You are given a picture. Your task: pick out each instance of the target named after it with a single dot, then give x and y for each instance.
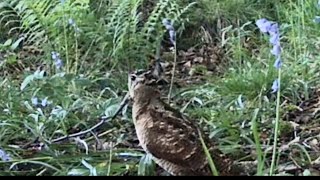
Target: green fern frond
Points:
(25, 19)
(37, 20)
(122, 26)
(153, 30)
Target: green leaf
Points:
(146, 166)
(8, 42)
(78, 172)
(12, 59)
(111, 110)
(69, 77)
(36, 75)
(93, 171)
(306, 172)
(16, 44)
(26, 82)
(39, 74)
(83, 82)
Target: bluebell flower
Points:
(278, 63)
(34, 101)
(54, 55)
(316, 19)
(71, 22)
(274, 39)
(263, 24)
(169, 26)
(274, 28)
(4, 156)
(44, 102)
(58, 62)
(276, 50)
(267, 26)
(172, 37)
(275, 86)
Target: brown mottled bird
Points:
(168, 135)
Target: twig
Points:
(101, 134)
(25, 146)
(122, 104)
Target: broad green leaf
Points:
(111, 110)
(93, 171)
(26, 82)
(146, 166)
(78, 172)
(8, 42)
(16, 44)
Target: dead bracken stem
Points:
(173, 70)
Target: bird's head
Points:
(140, 82)
(144, 82)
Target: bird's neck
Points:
(144, 95)
(144, 98)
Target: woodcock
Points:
(169, 136)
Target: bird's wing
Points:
(175, 140)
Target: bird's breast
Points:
(143, 123)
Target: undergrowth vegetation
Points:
(64, 66)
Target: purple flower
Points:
(54, 55)
(71, 22)
(168, 24)
(277, 64)
(276, 50)
(316, 19)
(275, 39)
(34, 101)
(4, 156)
(172, 37)
(275, 86)
(263, 24)
(274, 28)
(58, 62)
(44, 102)
(266, 26)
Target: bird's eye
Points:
(133, 77)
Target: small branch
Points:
(122, 104)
